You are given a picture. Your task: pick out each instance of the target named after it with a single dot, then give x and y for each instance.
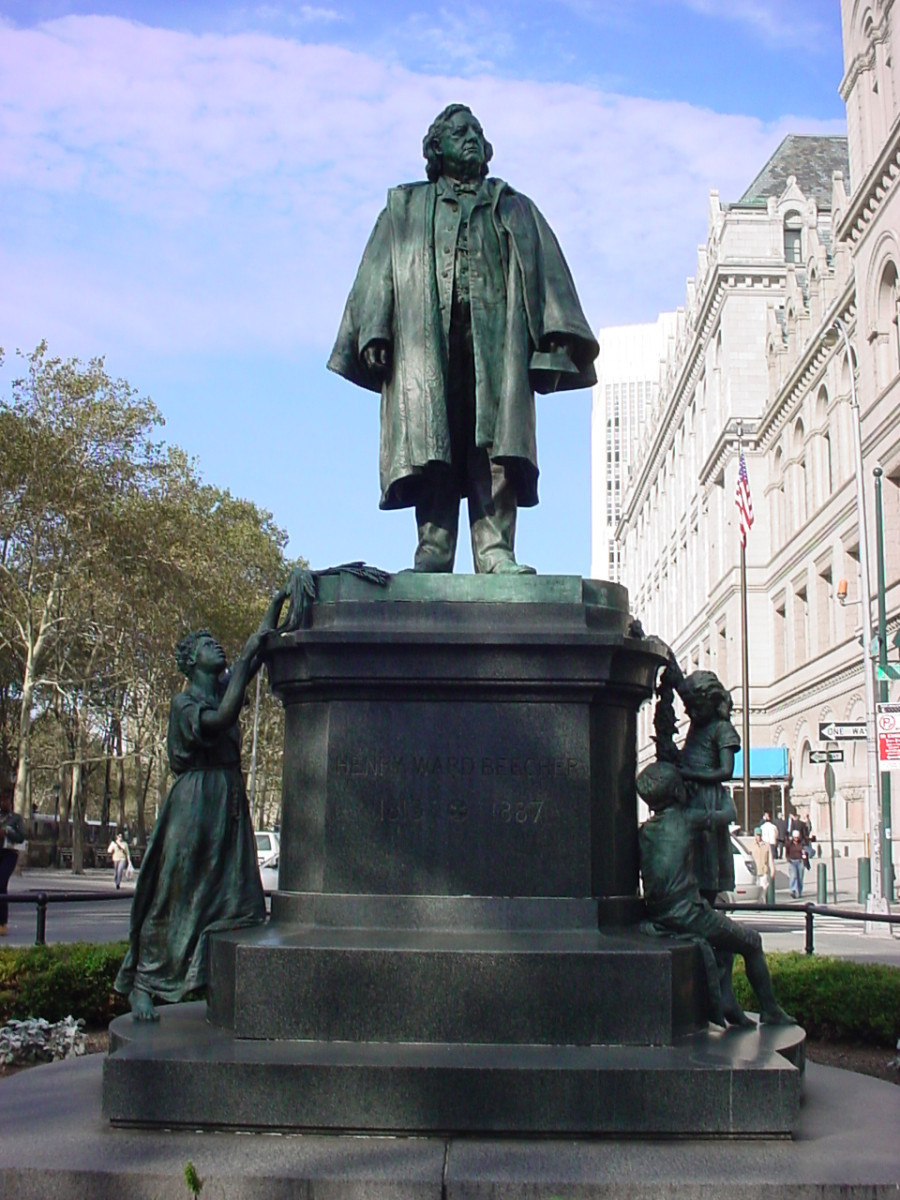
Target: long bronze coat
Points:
(521, 294)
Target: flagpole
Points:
(745, 662)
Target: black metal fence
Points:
(811, 911)
(42, 901)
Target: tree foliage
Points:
(111, 548)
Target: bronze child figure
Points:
(200, 872)
(672, 895)
(462, 308)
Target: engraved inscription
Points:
(376, 765)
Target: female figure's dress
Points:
(199, 873)
(713, 859)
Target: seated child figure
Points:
(671, 892)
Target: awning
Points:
(766, 763)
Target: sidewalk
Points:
(58, 879)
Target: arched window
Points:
(793, 238)
(887, 299)
(779, 524)
(822, 425)
(802, 488)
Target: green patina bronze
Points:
(462, 308)
(673, 899)
(199, 874)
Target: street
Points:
(107, 920)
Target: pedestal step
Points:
(540, 987)
(182, 1072)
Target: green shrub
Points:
(58, 981)
(833, 999)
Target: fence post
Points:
(40, 932)
(809, 928)
(864, 880)
(821, 883)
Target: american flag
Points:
(743, 501)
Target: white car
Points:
(746, 887)
(268, 843)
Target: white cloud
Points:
(178, 191)
(299, 15)
(788, 22)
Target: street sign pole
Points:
(830, 788)
(876, 902)
(885, 687)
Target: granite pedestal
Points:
(454, 945)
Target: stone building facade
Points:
(755, 360)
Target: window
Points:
(888, 352)
(793, 242)
(801, 626)
(780, 632)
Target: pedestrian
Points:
(796, 824)
(797, 857)
(781, 826)
(764, 859)
(769, 831)
(121, 856)
(8, 860)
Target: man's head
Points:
(766, 817)
(796, 835)
(455, 145)
(757, 833)
(660, 786)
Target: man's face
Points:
(462, 147)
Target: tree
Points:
(111, 548)
(73, 444)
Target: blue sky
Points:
(187, 189)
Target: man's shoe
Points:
(509, 566)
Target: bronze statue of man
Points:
(462, 308)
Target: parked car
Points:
(268, 843)
(268, 874)
(746, 887)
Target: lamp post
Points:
(876, 901)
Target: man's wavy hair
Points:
(186, 650)
(431, 144)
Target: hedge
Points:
(58, 981)
(834, 999)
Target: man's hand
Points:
(559, 342)
(377, 357)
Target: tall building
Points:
(753, 364)
(757, 362)
(625, 394)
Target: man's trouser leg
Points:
(492, 516)
(437, 520)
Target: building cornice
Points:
(865, 60)
(868, 198)
(810, 364)
(724, 277)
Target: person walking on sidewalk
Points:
(121, 856)
(797, 857)
(8, 860)
(765, 862)
(769, 831)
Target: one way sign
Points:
(841, 731)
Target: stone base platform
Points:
(56, 1143)
(184, 1072)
